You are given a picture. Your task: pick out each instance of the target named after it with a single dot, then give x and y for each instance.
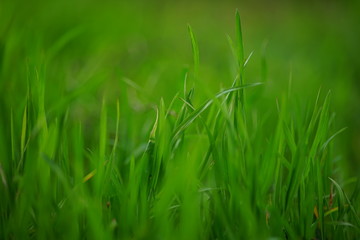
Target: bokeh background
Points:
(137, 51)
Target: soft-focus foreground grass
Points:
(105, 134)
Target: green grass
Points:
(87, 153)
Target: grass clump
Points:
(231, 167)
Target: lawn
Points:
(179, 120)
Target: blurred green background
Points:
(94, 49)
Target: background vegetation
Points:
(119, 120)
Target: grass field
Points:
(179, 120)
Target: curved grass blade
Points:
(341, 202)
(195, 114)
(195, 49)
(332, 137)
